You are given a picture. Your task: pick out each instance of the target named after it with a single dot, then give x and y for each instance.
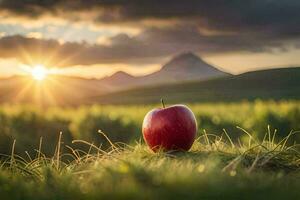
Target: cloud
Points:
(166, 28)
(149, 46)
(235, 15)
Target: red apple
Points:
(171, 128)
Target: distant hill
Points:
(119, 81)
(183, 67)
(266, 84)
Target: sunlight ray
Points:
(23, 93)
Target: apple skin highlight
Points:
(170, 129)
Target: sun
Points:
(39, 72)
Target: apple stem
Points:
(162, 102)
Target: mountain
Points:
(184, 67)
(275, 84)
(118, 80)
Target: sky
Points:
(93, 38)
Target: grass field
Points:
(258, 161)
(215, 168)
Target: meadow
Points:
(244, 150)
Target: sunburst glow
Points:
(41, 85)
(39, 72)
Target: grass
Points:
(217, 167)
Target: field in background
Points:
(27, 124)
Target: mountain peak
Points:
(121, 74)
(187, 56)
(186, 61)
(118, 78)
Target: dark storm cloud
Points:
(203, 26)
(235, 15)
